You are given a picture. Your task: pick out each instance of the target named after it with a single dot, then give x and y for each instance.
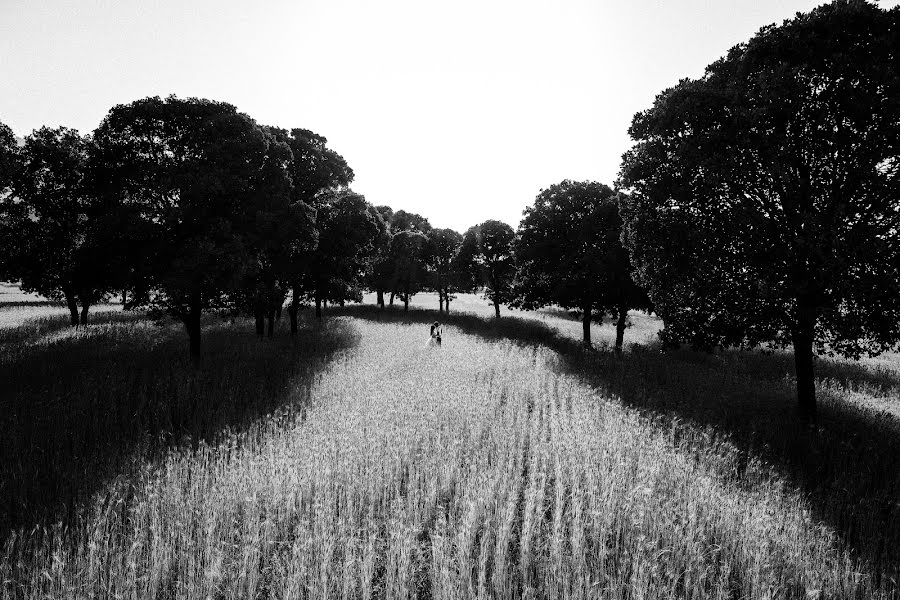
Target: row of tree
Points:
(185, 206)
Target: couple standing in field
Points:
(435, 337)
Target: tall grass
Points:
(488, 467)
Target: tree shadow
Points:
(78, 408)
(847, 466)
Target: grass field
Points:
(354, 462)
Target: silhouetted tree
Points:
(764, 195)
(190, 167)
(50, 211)
(568, 253)
(440, 252)
(347, 229)
(407, 260)
(315, 171)
(11, 211)
(486, 256)
(379, 272)
(280, 229)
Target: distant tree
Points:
(568, 253)
(315, 170)
(347, 231)
(50, 211)
(407, 260)
(406, 270)
(189, 167)
(486, 256)
(379, 273)
(440, 252)
(10, 208)
(280, 228)
(764, 195)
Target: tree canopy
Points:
(440, 254)
(49, 221)
(764, 195)
(568, 253)
(192, 169)
(486, 256)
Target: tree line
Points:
(185, 206)
(759, 205)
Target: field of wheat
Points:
(355, 462)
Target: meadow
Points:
(354, 462)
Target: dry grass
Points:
(500, 465)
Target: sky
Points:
(460, 111)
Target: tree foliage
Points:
(49, 216)
(486, 258)
(764, 205)
(191, 170)
(568, 253)
(440, 264)
(347, 231)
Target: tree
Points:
(278, 230)
(50, 211)
(189, 168)
(379, 273)
(406, 258)
(764, 195)
(568, 253)
(347, 230)
(440, 252)
(486, 256)
(10, 207)
(315, 171)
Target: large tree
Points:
(316, 170)
(486, 255)
(764, 204)
(49, 216)
(440, 253)
(189, 169)
(569, 253)
(407, 253)
(347, 231)
(279, 228)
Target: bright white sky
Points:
(461, 111)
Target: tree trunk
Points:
(279, 309)
(124, 297)
(292, 311)
(440, 301)
(495, 295)
(380, 298)
(318, 306)
(406, 302)
(392, 299)
(447, 300)
(192, 324)
(271, 319)
(803, 334)
(620, 328)
(73, 306)
(586, 325)
(84, 313)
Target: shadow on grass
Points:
(79, 408)
(847, 466)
